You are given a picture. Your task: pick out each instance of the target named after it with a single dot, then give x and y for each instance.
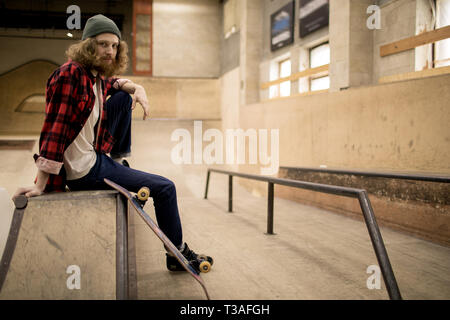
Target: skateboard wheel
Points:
(143, 193)
(205, 266)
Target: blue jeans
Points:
(162, 190)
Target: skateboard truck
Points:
(142, 195)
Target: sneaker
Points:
(193, 258)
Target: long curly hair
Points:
(85, 53)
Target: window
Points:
(322, 83)
(285, 71)
(273, 90)
(442, 48)
(319, 56)
(280, 69)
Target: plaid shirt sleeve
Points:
(62, 95)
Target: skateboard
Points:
(138, 202)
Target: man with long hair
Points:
(81, 128)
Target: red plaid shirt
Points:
(69, 102)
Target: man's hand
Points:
(141, 97)
(28, 192)
(138, 94)
(36, 189)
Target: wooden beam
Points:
(416, 41)
(415, 75)
(303, 94)
(295, 76)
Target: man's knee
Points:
(169, 185)
(168, 188)
(121, 98)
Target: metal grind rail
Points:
(360, 194)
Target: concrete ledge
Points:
(61, 238)
(419, 208)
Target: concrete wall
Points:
(230, 46)
(339, 45)
(168, 98)
(355, 49)
(424, 23)
(370, 127)
(250, 50)
(18, 51)
(398, 21)
(229, 102)
(186, 46)
(180, 98)
(185, 35)
(361, 44)
(399, 126)
(376, 127)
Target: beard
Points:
(104, 68)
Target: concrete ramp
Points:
(67, 246)
(21, 91)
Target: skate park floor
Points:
(314, 254)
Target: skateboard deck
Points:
(166, 241)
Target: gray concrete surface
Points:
(65, 248)
(315, 254)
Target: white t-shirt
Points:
(80, 156)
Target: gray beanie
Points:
(99, 24)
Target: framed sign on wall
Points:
(282, 27)
(313, 15)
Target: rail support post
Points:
(270, 196)
(207, 184)
(379, 248)
(230, 193)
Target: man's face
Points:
(107, 44)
